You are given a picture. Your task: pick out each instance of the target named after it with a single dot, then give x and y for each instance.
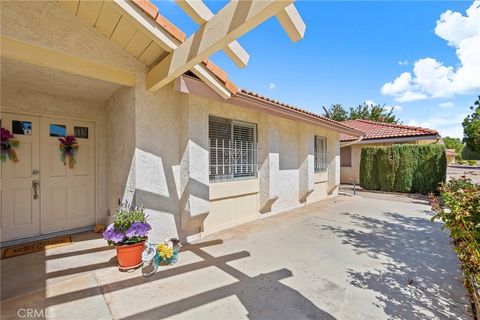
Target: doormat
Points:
(20, 250)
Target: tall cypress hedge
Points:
(403, 168)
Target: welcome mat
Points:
(36, 246)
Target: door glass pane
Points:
(58, 130)
(22, 127)
(80, 132)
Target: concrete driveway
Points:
(345, 258)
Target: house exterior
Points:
(195, 151)
(377, 134)
(451, 156)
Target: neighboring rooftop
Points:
(380, 130)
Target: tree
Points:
(454, 143)
(336, 112)
(471, 128)
(368, 112)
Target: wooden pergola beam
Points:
(292, 22)
(200, 13)
(167, 42)
(234, 20)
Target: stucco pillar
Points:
(268, 157)
(156, 160)
(306, 162)
(194, 167)
(333, 154)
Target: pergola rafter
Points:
(217, 33)
(200, 13)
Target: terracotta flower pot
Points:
(130, 255)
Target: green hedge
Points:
(403, 168)
(467, 154)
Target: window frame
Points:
(232, 175)
(320, 157)
(350, 156)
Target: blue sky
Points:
(351, 50)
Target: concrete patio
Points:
(345, 258)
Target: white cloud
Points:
(446, 105)
(447, 125)
(272, 86)
(369, 102)
(403, 62)
(429, 77)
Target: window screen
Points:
(233, 150)
(320, 154)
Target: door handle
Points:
(36, 187)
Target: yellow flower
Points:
(164, 251)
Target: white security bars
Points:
(233, 149)
(320, 154)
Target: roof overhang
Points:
(397, 139)
(190, 85)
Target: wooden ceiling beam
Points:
(234, 20)
(200, 13)
(29, 53)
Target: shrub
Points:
(403, 168)
(462, 162)
(461, 215)
(468, 154)
(472, 162)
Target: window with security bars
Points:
(320, 154)
(233, 149)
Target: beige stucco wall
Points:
(120, 119)
(450, 159)
(152, 148)
(347, 174)
(285, 158)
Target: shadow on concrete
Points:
(415, 279)
(263, 296)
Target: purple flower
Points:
(5, 135)
(139, 229)
(67, 141)
(112, 235)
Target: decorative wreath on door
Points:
(9, 143)
(68, 148)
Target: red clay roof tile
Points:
(171, 28)
(254, 94)
(380, 130)
(147, 7)
(216, 70)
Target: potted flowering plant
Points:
(128, 233)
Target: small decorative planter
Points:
(128, 233)
(129, 256)
(167, 252)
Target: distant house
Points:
(377, 134)
(451, 155)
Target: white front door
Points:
(40, 194)
(20, 207)
(67, 194)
